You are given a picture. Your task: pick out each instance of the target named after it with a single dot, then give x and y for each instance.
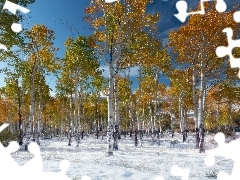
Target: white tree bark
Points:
(70, 128)
(75, 107)
(181, 121)
(195, 98)
(117, 106)
(115, 54)
(156, 100)
(110, 111)
(40, 115)
(202, 97)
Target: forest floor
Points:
(129, 162)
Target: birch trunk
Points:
(202, 102)
(61, 125)
(151, 120)
(110, 112)
(40, 116)
(70, 130)
(32, 99)
(20, 127)
(137, 110)
(131, 115)
(115, 54)
(202, 96)
(180, 113)
(230, 113)
(75, 107)
(218, 124)
(195, 98)
(75, 128)
(78, 125)
(116, 104)
(32, 103)
(155, 104)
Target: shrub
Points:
(6, 137)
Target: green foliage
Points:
(7, 36)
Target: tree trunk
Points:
(70, 128)
(152, 122)
(62, 117)
(181, 113)
(218, 124)
(202, 100)
(40, 117)
(116, 128)
(110, 112)
(32, 104)
(230, 113)
(155, 105)
(137, 128)
(195, 98)
(20, 128)
(75, 113)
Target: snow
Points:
(129, 162)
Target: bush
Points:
(6, 137)
(228, 133)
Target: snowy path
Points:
(129, 162)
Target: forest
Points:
(204, 90)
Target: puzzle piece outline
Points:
(222, 51)
(227, 150)
(182, 6)
(31, 169)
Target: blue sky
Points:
(60, 16)
(57, 15)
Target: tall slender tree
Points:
(207, 68)
(120, 28)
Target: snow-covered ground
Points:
(128, 162)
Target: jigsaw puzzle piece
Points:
(236, 16)
(8, 162)
(85, 178)
(221, 6)
(177, 171)
(223, 176)
(35, 164)
(12, 7)
(226, 150)
(182, 11)
(222, 51)
(181, 6)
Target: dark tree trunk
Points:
(185, 135)
(131, 131)
(38, 138)
(136, 139)
(158, 136)
(97, 133)
(201, 136)
(78, 137)
(28, 136)
(115, 138)
(69, 137)
(82, 134)
(197, 138)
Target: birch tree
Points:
(117, 26)
(39, 51)
(203, 31)
(79, 67)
